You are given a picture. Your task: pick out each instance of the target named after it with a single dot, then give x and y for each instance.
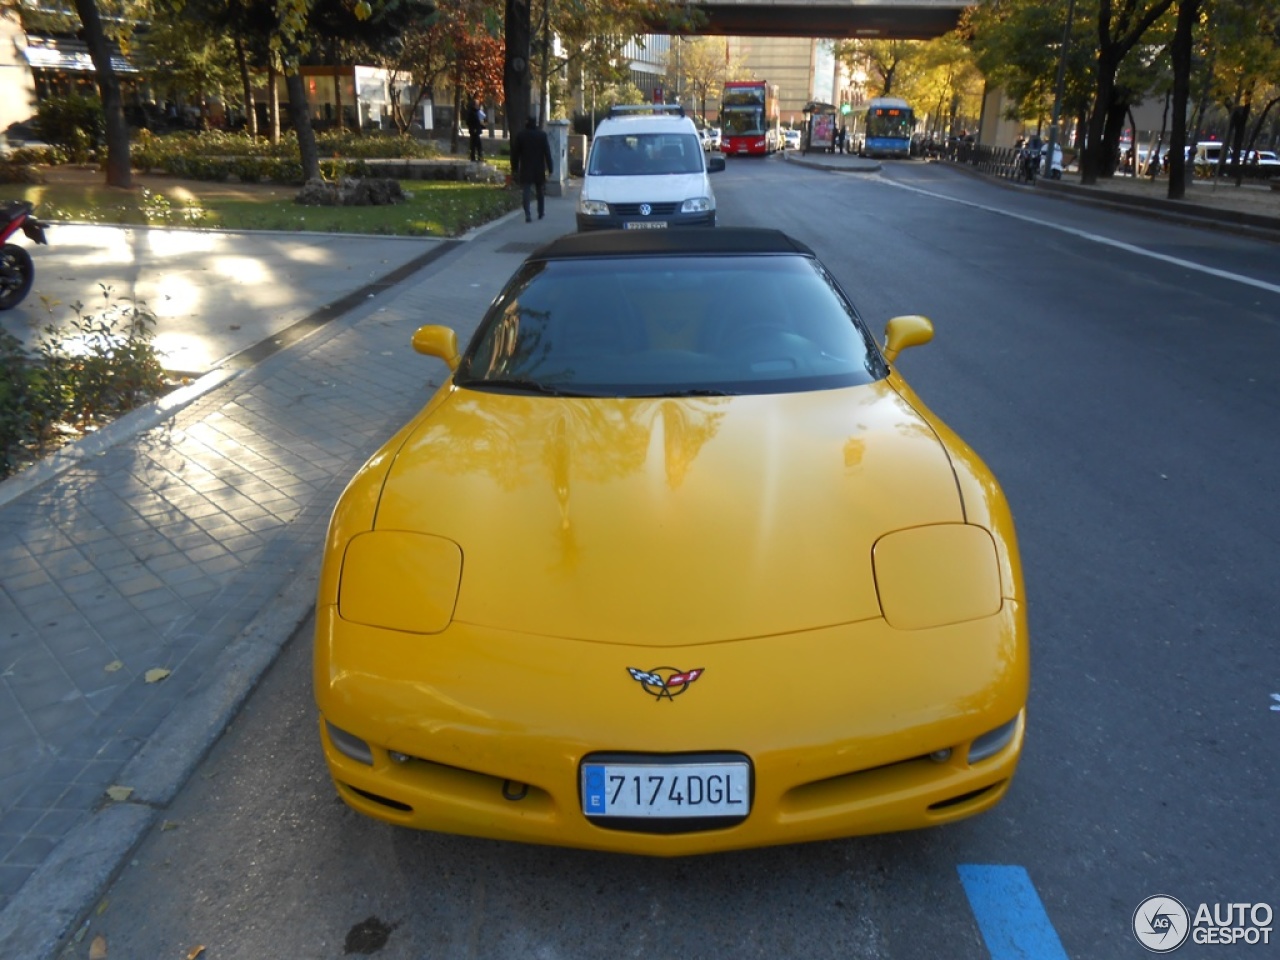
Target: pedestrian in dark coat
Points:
(530, 164)
(475, 127)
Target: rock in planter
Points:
(351, 192)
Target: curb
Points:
(854, 165)
(132, 423)
(64, 889)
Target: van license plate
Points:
(644, 225)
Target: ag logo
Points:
(1161, 924)
(665, 683)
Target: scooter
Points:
(17, 272)
(1054, 171)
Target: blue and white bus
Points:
(890, 122)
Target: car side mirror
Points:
(436, 341)
(907, 331)
(715, 164)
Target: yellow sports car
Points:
(674, 562)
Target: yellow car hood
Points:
(668, 521)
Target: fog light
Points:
(941, 756)
(349, 744)
(993, 741)
(397, 756)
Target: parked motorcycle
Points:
(17, 272)
(1029, 162)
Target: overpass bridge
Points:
(829, 19)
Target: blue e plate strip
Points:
(1010, 914)
(593, 790)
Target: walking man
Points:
(530, 164)
(475, 127)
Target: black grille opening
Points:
(633, 209)
(962, 798)
(384, 801)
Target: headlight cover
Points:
(697, 205)
(593, 208)
(935, 575)
(400, 581)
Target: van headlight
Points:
(697, 205)
(592, 208)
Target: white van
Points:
(647, 170)
(1208, 153)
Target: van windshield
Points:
(643, 154)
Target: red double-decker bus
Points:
(749, 119)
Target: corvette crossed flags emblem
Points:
(665, 683)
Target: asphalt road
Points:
(1119, 376)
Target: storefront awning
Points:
(68, 55)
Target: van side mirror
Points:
(715, 164)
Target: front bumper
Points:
(479, 733)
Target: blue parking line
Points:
(1009, 913)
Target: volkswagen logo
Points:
(645, 209)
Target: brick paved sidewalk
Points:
(158, 553)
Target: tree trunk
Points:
(337, 86)
(119, 169)
(517, 86)
(1111, 51)
(300, 114)
(1180, 54)
(1095, 158)
(250, 110)
(1240, 122)
(457, 107)
(273, 102)
(1257, 124)
(544, 81)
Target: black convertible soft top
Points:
(677, 241)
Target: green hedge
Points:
(73, 123)
(82, 374)
(220, 156)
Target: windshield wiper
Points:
(690, 392)
(518, 383)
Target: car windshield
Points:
(664, 326)
(643, 154)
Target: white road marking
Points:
(1095, 238)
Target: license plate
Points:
(644, 225)
(666, 790)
